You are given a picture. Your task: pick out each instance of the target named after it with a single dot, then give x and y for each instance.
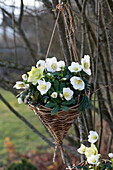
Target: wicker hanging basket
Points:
(58, 124)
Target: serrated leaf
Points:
(62, 85)
(85, 104)
(64, 108)
(55, 110)
(50, 104)
(56, 74)
(56, 85)
(36, 105)
(72, 101)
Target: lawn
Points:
(10, 126)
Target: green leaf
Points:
(62, 85)
(56, 85)
(31, 102)
(36, 105)
(84, 104)
(70, 102)
(56, 74)
(50, 104)
(64, 108)
(55, 110)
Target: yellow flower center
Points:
(78, 82)
(66, 94)
(54, 66)
(75, 68)
(94, 137)
(42, 87)
(94, 160)
(21, 85)
(86, 65)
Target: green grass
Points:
(11, 126)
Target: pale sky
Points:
(29, 3)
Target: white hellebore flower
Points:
(93, 137)
(75, 67)
(82, 149)
(54, 95)
(78, 83)
(61, 65)
(110, 155)
(51, 64)
(24, 77)
(43, 86)
(93, 159)
(86, 64)
(19, 100)
(68, 93)
(40, 63)
(20, 85)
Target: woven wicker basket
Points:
(58, 124)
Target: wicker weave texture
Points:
(58, 124)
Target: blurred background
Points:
(25, 31)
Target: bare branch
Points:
(21, 12)
(23, 36)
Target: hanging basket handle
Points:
(58, 7)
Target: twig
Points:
(97, 56)
(83, 28)
(8, 64)
(21, 12)
(22, 35)
(110, 143)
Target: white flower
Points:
(20, 85)
(54, 95)
(78, 83)
(93, 137)
(86, 64)
(75, 67)
(91, 151)
(68, 93)
(93, 159)
(19, 100)
(51, 64)
(61, 65)
(43, 86)
(40, 63)
(82, 149)
(24, 77)
(110, 155)
(61, 95)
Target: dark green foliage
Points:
(70, 102)
(22, 165)
(55, 110)
(83, 168)
(50, 104)
(56, 85)
(58, 80)
(84, 104)
(64, 108)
